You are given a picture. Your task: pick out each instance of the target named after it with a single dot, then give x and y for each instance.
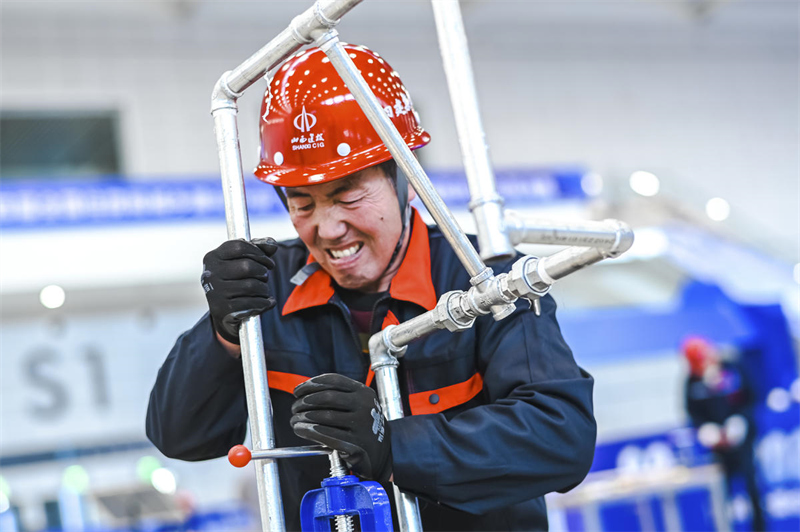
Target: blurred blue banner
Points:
(43, 204)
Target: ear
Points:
(411, 193)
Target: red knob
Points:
(239, 456)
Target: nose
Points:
(330, 224)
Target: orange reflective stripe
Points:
(285, 382)
(370, 376)
(449, 396)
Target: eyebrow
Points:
(343, 188)
(292, 192)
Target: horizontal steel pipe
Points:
(405, 333)
(455, 311)
(289, 452)
(303, 29)
(529, 278)
(611, 235)
(558, 265)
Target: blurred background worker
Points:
(497, 416)
(720, 402)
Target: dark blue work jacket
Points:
(496, 416)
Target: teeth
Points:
(345, 252)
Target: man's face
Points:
(351, 226)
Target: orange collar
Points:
(412, 282)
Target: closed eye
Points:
(350, 202)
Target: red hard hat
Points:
(698, 351)
(312, 129)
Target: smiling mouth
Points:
(344, 253)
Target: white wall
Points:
(711, 105)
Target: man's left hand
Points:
(346, 416)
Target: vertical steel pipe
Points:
(486, 205)
(384, 363)
(259, 406)
(304, 28)
(408, 516)
(402, 154)
(407, 507)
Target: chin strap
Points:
(405, 214)
(282, 195)
(401, 187)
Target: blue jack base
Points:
(346, 496)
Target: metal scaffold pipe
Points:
(486, 205)
(559, 265)
(401, 153)
(259, 405)
(303, 30)
(529, 278)
(611, 235)
(384, 364)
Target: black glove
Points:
(235, 281)
(346, 416)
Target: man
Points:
(720, 402)
(496, 416)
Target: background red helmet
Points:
(698, 352)
(312, 129)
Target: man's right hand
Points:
(235, 281)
